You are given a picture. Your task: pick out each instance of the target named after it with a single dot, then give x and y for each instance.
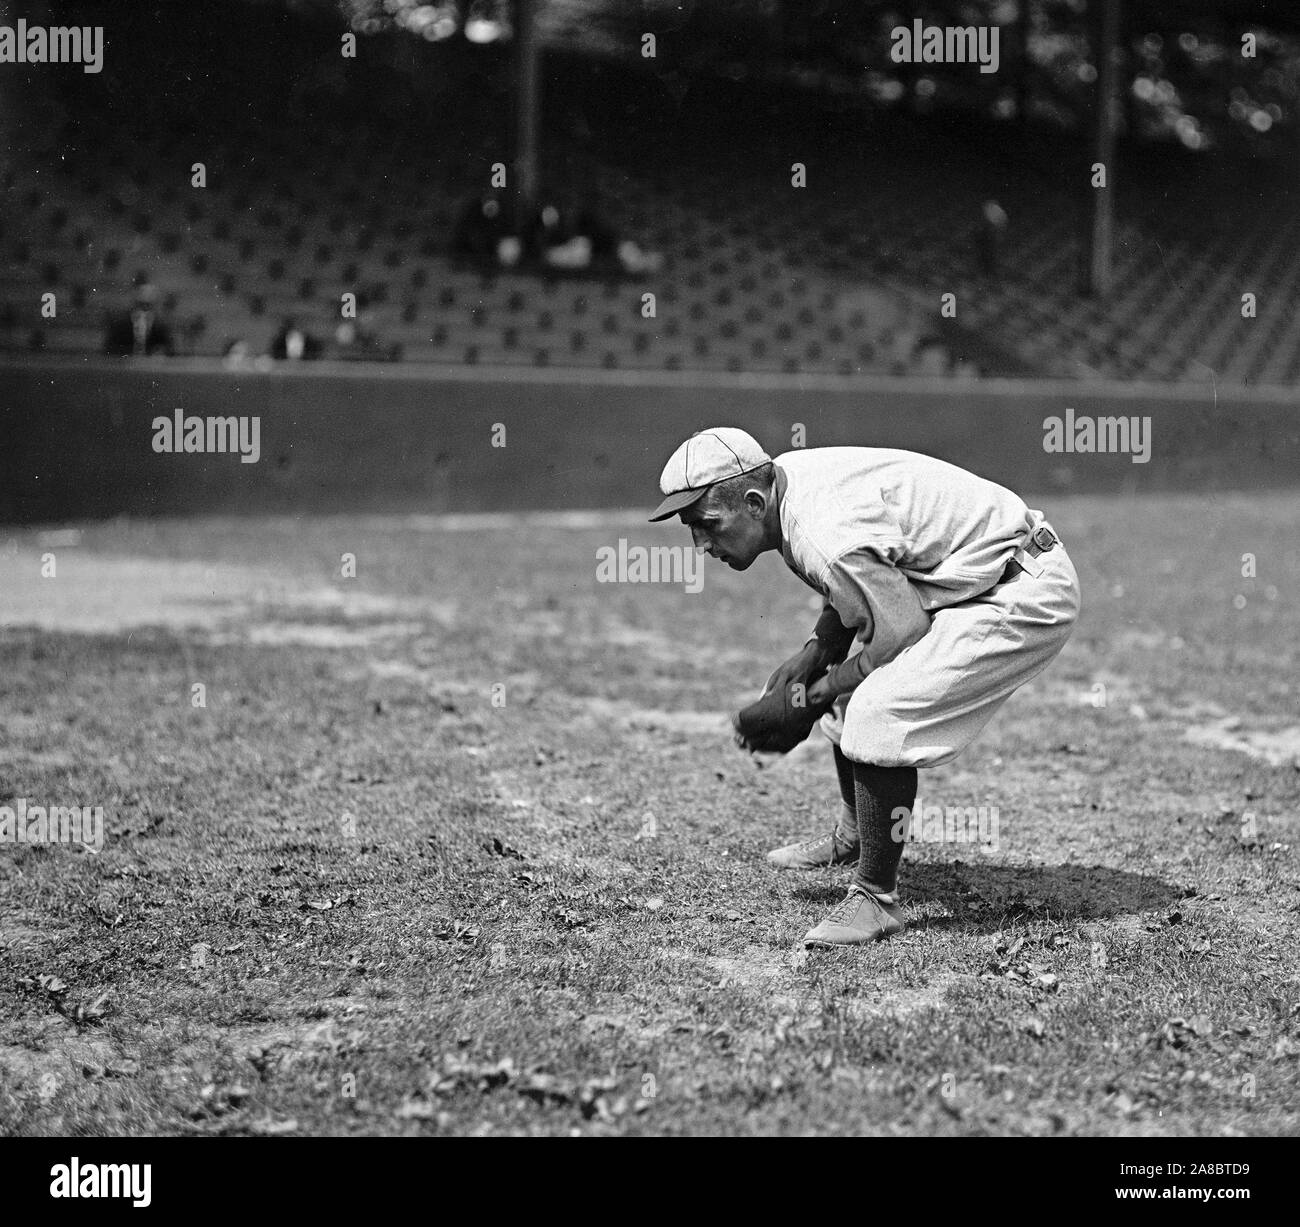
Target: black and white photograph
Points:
(649, 568)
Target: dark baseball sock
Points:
(880, 791)
(844, 773)
(846, 826)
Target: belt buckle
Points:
(1044, 538)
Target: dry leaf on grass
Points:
(1181, 1032)
(325, 905)
(457, 931)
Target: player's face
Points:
(733, 535)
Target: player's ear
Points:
(756, 503)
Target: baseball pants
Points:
(927, 705)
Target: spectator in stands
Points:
(553, 237)
(292, 344)
(139, 331)
(990, 237)
(583, 239)
(550, 239)
(510, 251)
(358, 340)
(239, 355)
(633, 258)
(606, 247)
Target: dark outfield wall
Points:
(76, 438)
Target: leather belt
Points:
(1037, 542)
(1040, 541)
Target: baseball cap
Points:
(708, 456)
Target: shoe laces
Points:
(810, 845)
(847, 907)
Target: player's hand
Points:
(820, 694)
(812, 660)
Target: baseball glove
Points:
(779, 721)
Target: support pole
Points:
(528, 105)
(1101, 228)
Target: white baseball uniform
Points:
(914, 552)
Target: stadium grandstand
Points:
(325, 177)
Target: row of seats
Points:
(750, 282)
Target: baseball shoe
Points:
(857, 919)
(817, 853)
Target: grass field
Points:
(399, 875)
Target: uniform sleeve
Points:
(831, 631)
(871, 594)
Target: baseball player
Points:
(943, 593)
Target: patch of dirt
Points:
(316, 635)
(776, 975)
(96, 594)
(899, 1002)
(759, 968)
(354, 605)
(255, 1044)
(1277, 747)
(66, 1059)
(1103, 689)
